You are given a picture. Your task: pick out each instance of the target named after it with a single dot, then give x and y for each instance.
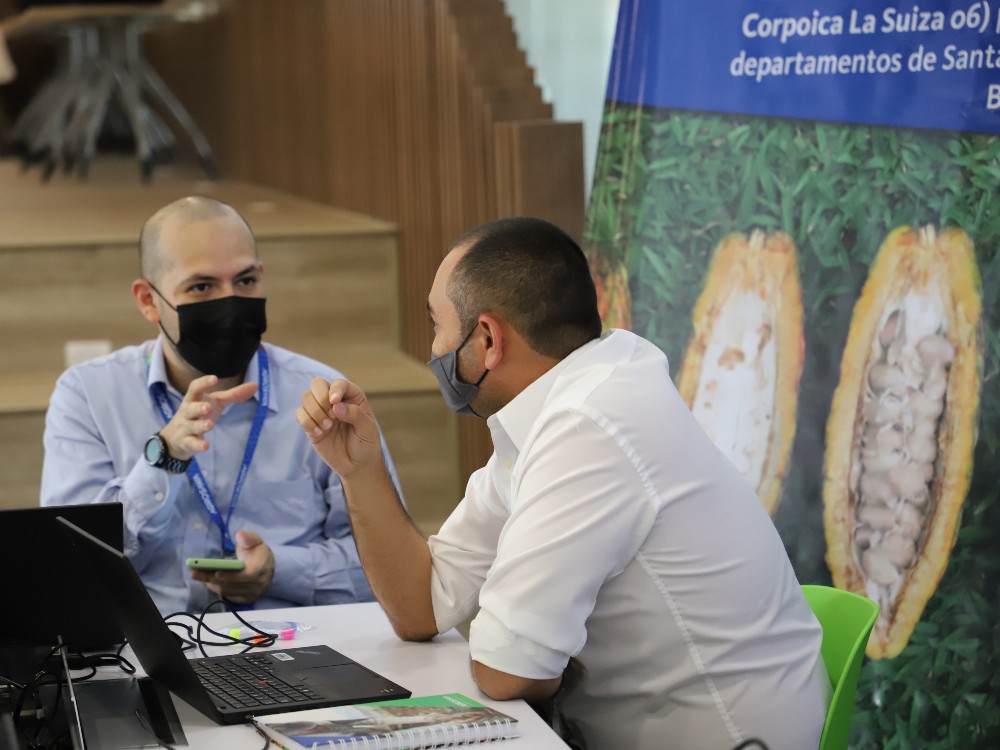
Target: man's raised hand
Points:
(198, 413)
(340, 425)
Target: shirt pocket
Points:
(291, 511)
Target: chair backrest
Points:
(847, 620)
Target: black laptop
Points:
(43, 592)
(228, 689)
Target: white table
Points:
(362, 632)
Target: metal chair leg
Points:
(152, 82)
(98, 110)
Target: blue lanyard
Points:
(159, 392)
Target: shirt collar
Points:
(516, 418)
(157, 373)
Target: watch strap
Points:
(174, 465)
(167, 462)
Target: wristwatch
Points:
(157, 456)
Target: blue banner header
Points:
(925, 65)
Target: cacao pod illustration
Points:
(614, 300)
(902, 427)
(740, 375)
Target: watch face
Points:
(153, 450)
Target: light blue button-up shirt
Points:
(99, 418)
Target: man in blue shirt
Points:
(195, 432)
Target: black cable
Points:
(38, 681)
(194, 633)
(30, 685)
(87, 664)
(187, 643)
(752, 742)
(267, 740)
(261, 640)
(106, 660)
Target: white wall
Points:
(568, 43)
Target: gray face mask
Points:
(457, 394)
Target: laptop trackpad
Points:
(342, 681)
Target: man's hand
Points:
(198, 414)
(341, 426)
(242, 586)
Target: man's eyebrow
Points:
(251, 269)
(196, 277)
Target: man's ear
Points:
(143, 293)
(493, 342)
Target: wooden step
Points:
(68, 256)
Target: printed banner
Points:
(815, 248)
(933, 65)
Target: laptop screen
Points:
(45, 591)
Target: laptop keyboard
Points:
(248, 681)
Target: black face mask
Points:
(220, 336)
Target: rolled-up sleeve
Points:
(578, 514)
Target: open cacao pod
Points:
(740, 375)
(902, 427)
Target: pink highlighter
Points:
(283, 631)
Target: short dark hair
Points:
(533, 274)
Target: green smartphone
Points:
(215, 563)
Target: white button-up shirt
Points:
(607, 526)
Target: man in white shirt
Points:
(606, 526)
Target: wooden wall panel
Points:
(420, 112)
(21, 443)
(537, 160)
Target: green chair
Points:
(847, 620)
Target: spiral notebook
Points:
(412, 723)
